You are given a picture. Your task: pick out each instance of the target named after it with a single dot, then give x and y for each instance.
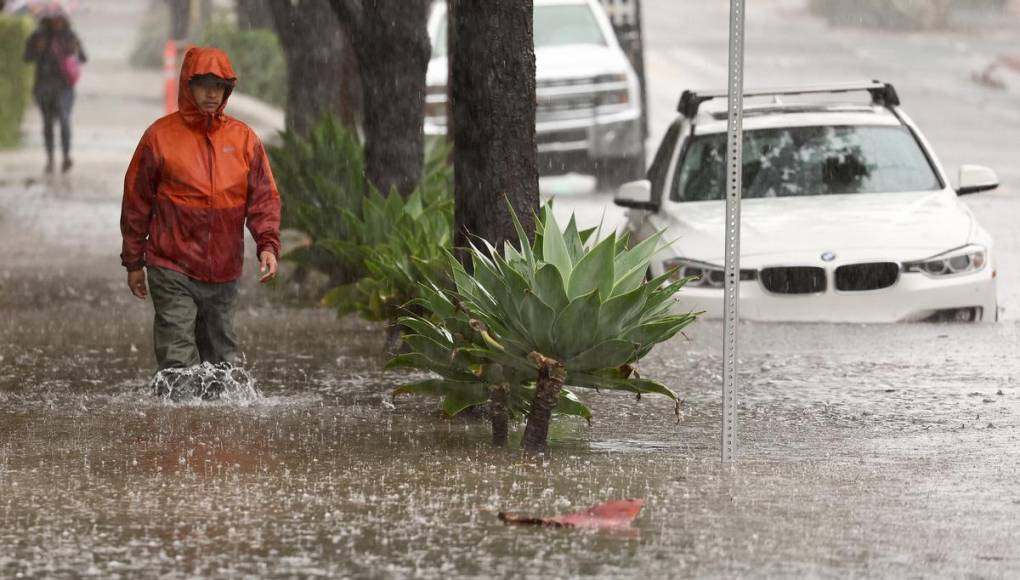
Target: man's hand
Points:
(136, 282)
(267, 266)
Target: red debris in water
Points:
(613, 514)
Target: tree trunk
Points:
(316, 49)
(492, 91)
(255, 14)
(551, 375)
(391, 42)
(180, 18)
(499, 414)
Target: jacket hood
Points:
(202, 61)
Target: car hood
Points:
(897, 226)
(555, 63)
(577, 61)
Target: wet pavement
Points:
(885, 451)
(882, 451)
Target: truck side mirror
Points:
(975, 178)
(636, 195)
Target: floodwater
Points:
(874, 451)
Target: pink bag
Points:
(70, 69)
(70, 66)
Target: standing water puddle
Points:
(863, 453)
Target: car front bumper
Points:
(914, 297)
(606, 136)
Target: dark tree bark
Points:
(319, 59)
(391, 42)
(180, 18)
(499, 414)
(254, 14)
(492, 91)
(551, 375)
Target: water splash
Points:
(206, 382)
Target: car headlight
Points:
(965, 260)
(702, 274)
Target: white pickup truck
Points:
(589, 103)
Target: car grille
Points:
(568, 136)
(861, 277)
(793, 280)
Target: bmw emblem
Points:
(828, 256)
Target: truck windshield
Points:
(795, 161)
(554, 25)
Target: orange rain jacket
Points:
(194, 180)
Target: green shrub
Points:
(399, 243)
(567, 309)
(374, 249)
(320, 177)
(396, 243)
(16, 75)
(257, 58)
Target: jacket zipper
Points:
(212, 192)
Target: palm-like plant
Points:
(447, 341)
(398, 242)
(561, 310)
(320, 177)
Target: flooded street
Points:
(875, 451)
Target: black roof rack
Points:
(883, 94)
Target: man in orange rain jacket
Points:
(196, 177)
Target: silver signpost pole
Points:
(732, 265)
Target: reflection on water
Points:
(865, 450)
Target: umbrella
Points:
(41, 8)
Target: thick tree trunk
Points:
(255, 14)
(492, 93)
(316, 48)
(551, 375)
(180, 18)
(499, 414)
(391, 42)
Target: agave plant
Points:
(447, 342)
(563, 310)
(326, 196)
(399, 242)
(320, 177)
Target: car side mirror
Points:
(636, 195)
(975, 178)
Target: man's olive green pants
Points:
(194, 320)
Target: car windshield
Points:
(797, 161)
(554, 25)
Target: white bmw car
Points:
(846, 214)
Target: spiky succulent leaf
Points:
(433, 387)
(608, 354)
(554, 247)
(576, 326)
(613, 379)
(570, 406)
(594, 271)
(537, 318)
(550, 288)
(459, 399)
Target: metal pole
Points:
(731, 315)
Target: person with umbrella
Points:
(57, 53)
